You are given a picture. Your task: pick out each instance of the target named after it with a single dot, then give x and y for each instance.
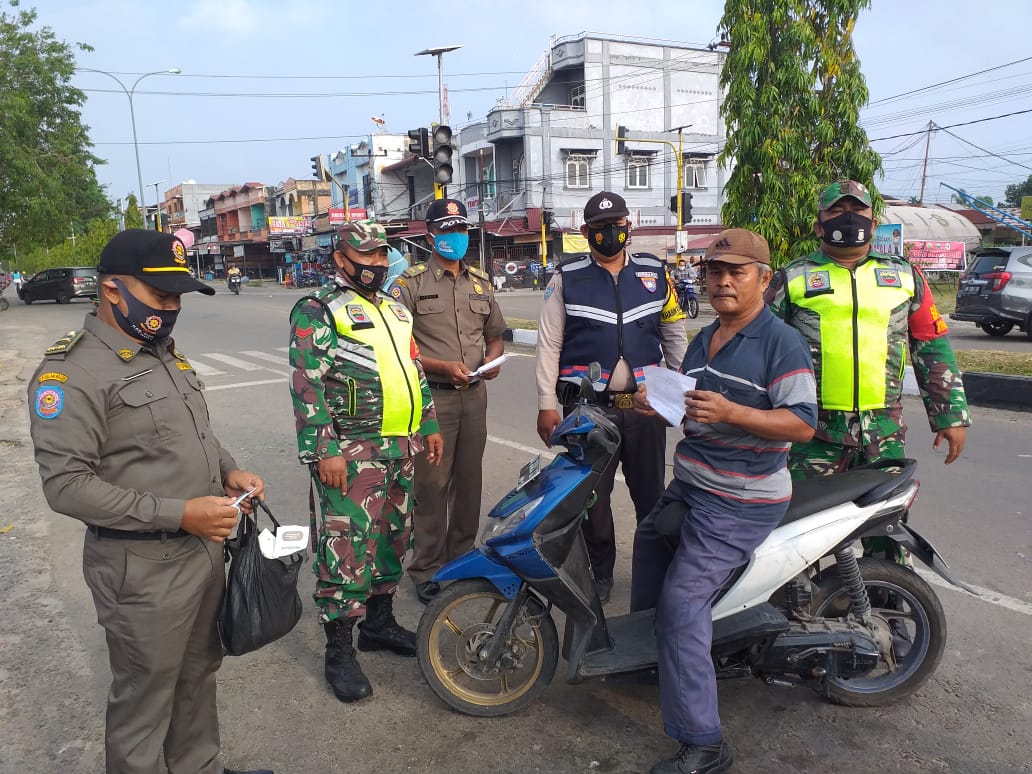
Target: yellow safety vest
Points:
(860, 331)
(376, 341)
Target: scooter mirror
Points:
(592, 381)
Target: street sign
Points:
(535, 267)
(682, 241)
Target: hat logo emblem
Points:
(453, 208)
(178, 253)
(723, 244)
(152, 323)
(605, 204)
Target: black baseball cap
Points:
(445, 213)
(603, 206)
(156, 257)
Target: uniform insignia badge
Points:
(887, 278)
(367, 276)
(396, 293)
(605, 204)
(178, 355)
(452, 208)
(549, 291)
(400, 312)
(126, 354)
(184, 366)
(304, 333)
(938, 324)
(477, 288)
(179, 253)
(357, 314)
(52, 376)
(649, 279)
(152, 323)
(818, 280)
(49, 402)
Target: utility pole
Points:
(924, 168)
(482, 219)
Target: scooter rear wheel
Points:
(456, 626)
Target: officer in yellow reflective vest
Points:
(860, 311)
(363, 411)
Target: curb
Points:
(1001, 391)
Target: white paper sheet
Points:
(489, 365)
(666, 390)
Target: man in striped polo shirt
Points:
(755, 395)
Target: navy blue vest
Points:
(607, 319)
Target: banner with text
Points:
(290, 225)
(936, 256)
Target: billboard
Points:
(888, 239)
(340, 215)
(936, 256)
(290, 225)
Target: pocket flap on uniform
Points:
(139, 394)
(429, 305)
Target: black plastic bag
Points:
(261, 603)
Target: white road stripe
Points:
(283, 349)
(243, 365)
(983, 595)
(205, 370)
(243, 384)
(266, 356)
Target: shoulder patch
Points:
(396, 292)
(64, 344)
(479, 273)
(414, 271)
(126, 354)
(49, 402)
(52, 376)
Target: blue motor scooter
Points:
(862, 632)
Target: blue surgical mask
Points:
(451, 246)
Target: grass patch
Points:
(1014, 363)
(516, 322)
(945, 296)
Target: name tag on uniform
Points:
(427, 298)
(479, 297)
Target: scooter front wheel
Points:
(453, 632)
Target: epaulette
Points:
(415, 271)
(63, 345)
(479, 273)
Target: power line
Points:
(950, 126)
(951, 80)
(984, 150)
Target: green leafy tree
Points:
(794, 93)
(1013, 193)
(47, 170)
(133, 217)
(84, 250)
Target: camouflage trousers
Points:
(363, 537)
(868, 436)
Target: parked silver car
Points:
(995, 291)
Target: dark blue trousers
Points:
(682, 584)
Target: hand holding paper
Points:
(489, 365)
(666, 389)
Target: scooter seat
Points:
(817, 494)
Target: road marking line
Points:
(283, 349)
(243, 365)
(267, 356)
(983, 595)
(243, 384)
(205, 370)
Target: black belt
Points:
(450, 386)
(125, 534)
(569, 393)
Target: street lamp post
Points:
(129, 92)
(439, 52)
(157, 205)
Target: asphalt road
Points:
(974, 715)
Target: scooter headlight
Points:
(496, 527)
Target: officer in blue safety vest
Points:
(618, 309)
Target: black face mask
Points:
(368, 279)
(608, 240)
(850, 229)
(141, 321)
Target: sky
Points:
(265, 85)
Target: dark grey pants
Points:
(158, 603)
(682, 584)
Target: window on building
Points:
(577, 96)
(695, 173)
(637, 172)
(489, 180)
(578, 172)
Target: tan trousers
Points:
(158, 603)
(447, 511)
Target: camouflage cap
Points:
(364, 235)
(843, 188)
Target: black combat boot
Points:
(380, 630)
(696, 759)
(342, 670)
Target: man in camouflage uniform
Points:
(363, 411)
(860, 311)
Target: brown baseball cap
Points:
(738, 245)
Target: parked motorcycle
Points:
(687, 298)
(234, 284)
(804, 610)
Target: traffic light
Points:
(686, 206)
(443, 154)
(419, 142)
(318, 171)
(548, 219)
(621, 145)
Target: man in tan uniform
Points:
(458, 326)
(124, 444)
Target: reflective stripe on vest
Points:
(378, 338)
(854, 309)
